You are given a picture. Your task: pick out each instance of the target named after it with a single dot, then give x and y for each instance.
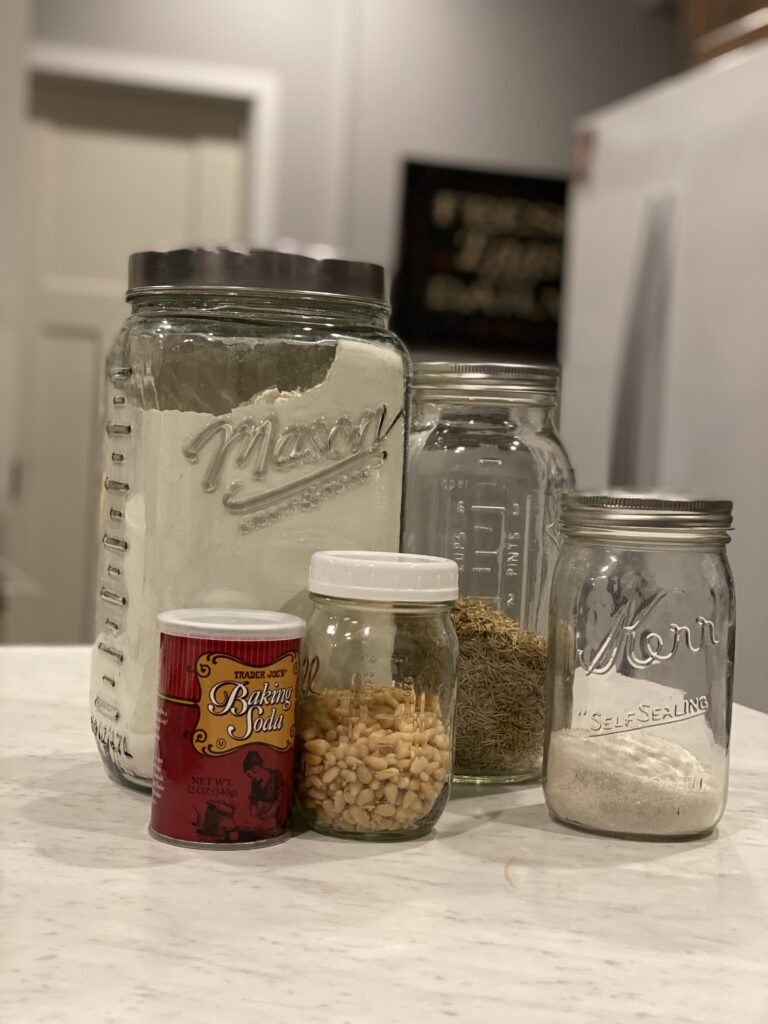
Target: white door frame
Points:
(259, 90)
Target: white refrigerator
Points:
(665, 324)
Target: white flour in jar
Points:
(246, 540)
(632, 783)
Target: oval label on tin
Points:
(242, 703)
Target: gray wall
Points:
(487, 83)
(369, 83)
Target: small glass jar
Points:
(486, 471)
(377, 694)
(256, 408)
(640, 679)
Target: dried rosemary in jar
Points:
(500, 699)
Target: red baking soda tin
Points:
(223, 770)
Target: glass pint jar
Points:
(641, 666)
(255, 414)
(486, 471)
(376, 704)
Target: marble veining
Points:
(500, 915)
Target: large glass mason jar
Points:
(256, 409)
(486, 471)
(377, 695)
(640, 673)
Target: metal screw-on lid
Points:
(480, 379)
(254, 270)
(383, 576)
(657, 516)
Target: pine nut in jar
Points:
(377, 696)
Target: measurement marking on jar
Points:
(121, 375)
(111, 652)
(118, 429)
(488, 527)
(118, 457)
(109, 681)
(114, 544)
(111, 625)
(528, 519)
(112, 598)
(116, 513)
(118, 400)
(112, 570)
(490, 462)
(116, 485)
(107, 709)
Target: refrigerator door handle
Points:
(636, 427)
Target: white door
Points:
(112, 169)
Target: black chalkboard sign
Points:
(480, 263)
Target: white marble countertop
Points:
(500, 916)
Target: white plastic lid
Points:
(383, 576)
(231, 624)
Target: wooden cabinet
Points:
(713, 27)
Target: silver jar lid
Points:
(260, 270)
(480, 379)
(654, 516)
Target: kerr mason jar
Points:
(640, 679)
(256, 409)
(377, 697)
(486, 471)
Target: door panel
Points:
(64, 540)
(112, 170)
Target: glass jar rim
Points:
(676, 518)
(482, 381)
